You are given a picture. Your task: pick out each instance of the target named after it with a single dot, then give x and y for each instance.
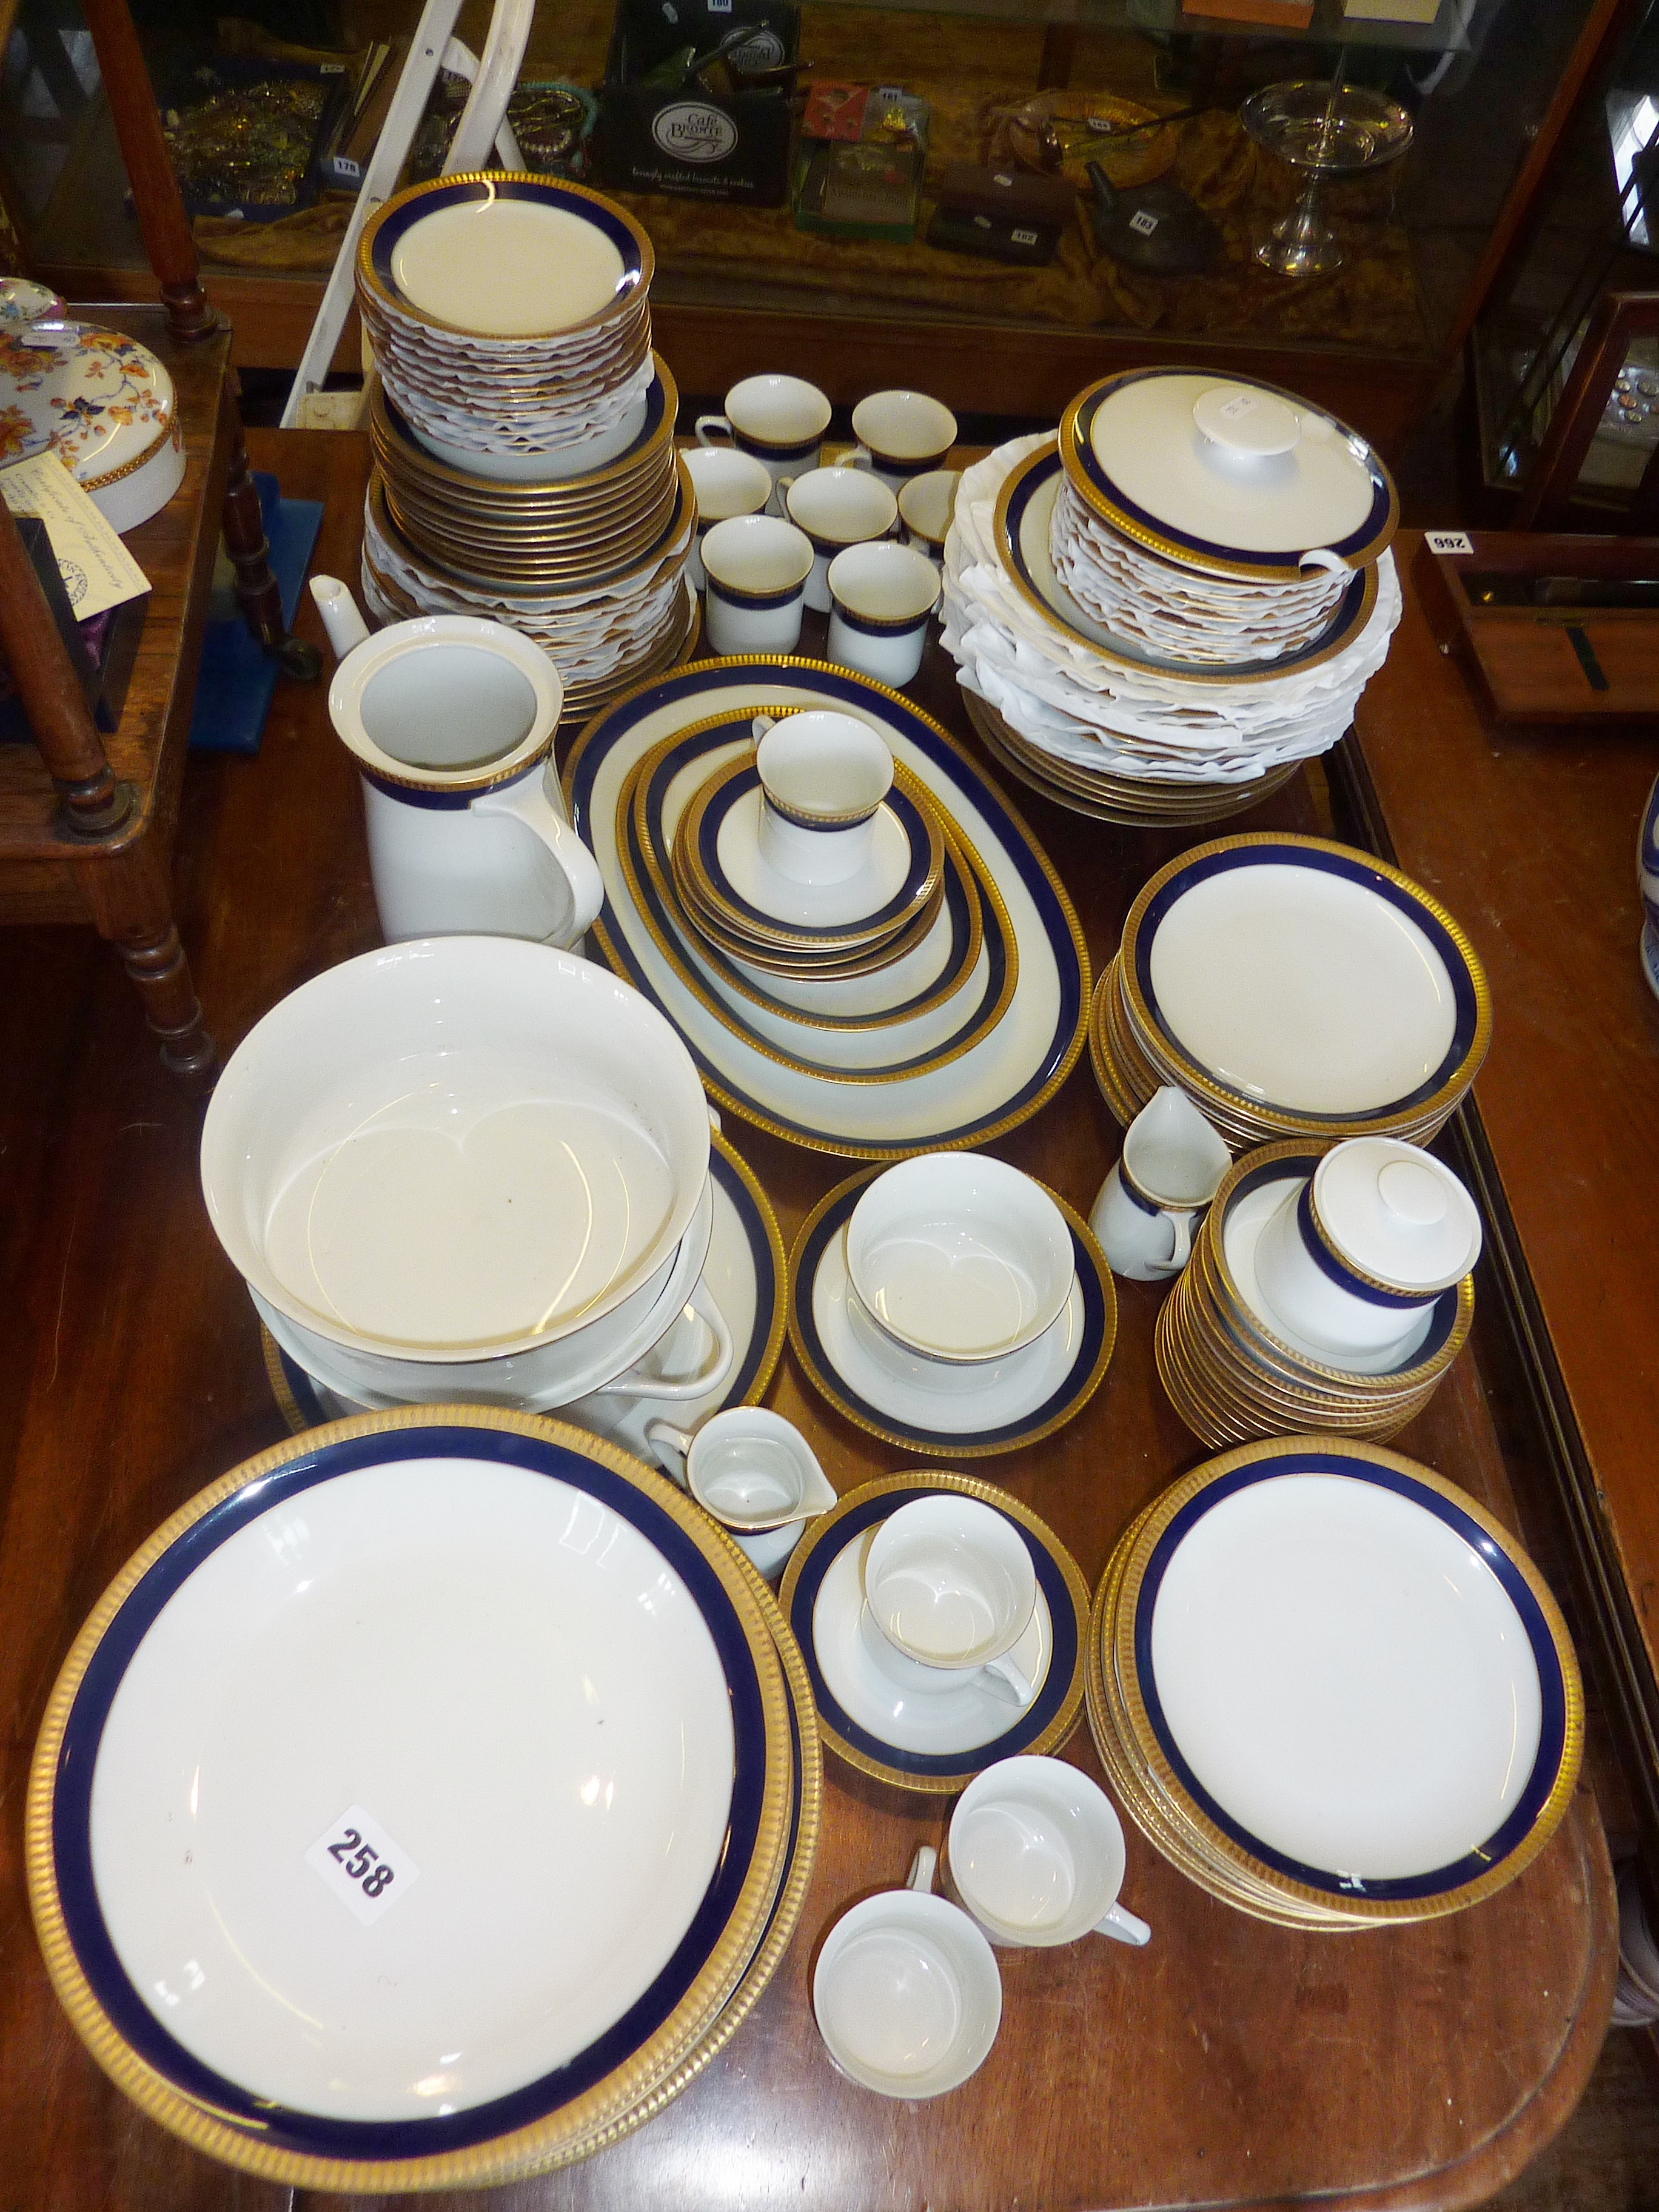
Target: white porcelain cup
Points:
(949, 1589)
(754, 1472)
(1149, 1206)
(756, 568)
(926, 505)
(1354, 1258)
(780, 420)
(880, 598)
(1036, 1854)
(451, 719)
(836, 508)
(959, 1257)
(726, 484)
(823, 778)
(903, 434)
(906, 1991)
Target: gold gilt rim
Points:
(1242, 1863)
(628, 802)
(967, 1485)
(830, 1387)
(1202, 1084)
(1218, 679)
(368, 278)
(713, 895)
(223, 2135)
(1071, 438)
(772, 1349)
(756, 1117)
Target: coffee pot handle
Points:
(1123, 1926)
(526, 801)
(1183, 1225)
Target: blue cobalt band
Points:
(452, 802)
(902, 626)
(310, 2134)
(767, 449)
(1330, 1265)
(757, 602)
(739, 786)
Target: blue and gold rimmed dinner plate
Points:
(1296, 987)
(1024, 510)
(1339, 1683)
(717, 833)
(1138, 424)
(745, 1272)
(916, 982)
(943, 1031)
(1002, 1079)
(967, 1412)
(253, 1824)
(968, 1728)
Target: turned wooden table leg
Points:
(258, 593)
(132, 902)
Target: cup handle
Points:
(709, 1376)
(670, 1444)
(707, 422)
(859, 457)
(1320, 556)
(923, 1868)
(1123, 1926)
(526, 801)
(785, 486)
(1183, 1225)
(1004, 1679)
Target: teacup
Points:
(1353, 1258)
(949, 1590)
(906, 1991)
(727, 482)
(1149, 1206)
(926, 505)
(1036, 1854)
(958, 1257)
(451, 719)
(880, 598)
(823, 778)
(836, 508)
(780, 420)
(756, 568)
(754, 1472)
(902, 433)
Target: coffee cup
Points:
(726, 484)
(1148, 1206)
(880, 598)
(823, 778)
(906, 1991)
(1036, 1854)
(836, 508)
(927, 504)
(779, 420)
(756, 568)
(754, 1472)
(902, 433)
(949, 1590)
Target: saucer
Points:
(821, 1596)
(1021, 1399)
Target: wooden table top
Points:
(1530, 836)
(1231, 2063)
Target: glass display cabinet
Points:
(1043, 88)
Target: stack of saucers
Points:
(1291, 988)
(1331, 1689)
(1273, 1326)
(1160, 612)
(543, 1580)
(524, 463)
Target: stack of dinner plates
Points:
(1234, 1371)
(1291, 988)
(1331, 1689)
(1165, 608)
(263, 1903)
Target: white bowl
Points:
(959, 1257)
(455, 1149)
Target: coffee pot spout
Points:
(345, 626)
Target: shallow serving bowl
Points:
(454, 1150)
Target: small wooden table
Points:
(1230, 2064)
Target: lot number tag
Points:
(357, 1859)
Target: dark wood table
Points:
(1530, 836)
(1230, 2064)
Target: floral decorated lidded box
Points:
(104, 402)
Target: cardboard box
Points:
(655, 138)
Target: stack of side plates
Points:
(1186, 709)
(482, 1910)
(1223, 1355)
(1291, 988)
(1331, 1688)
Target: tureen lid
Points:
(1226, 473)
(1397, 1213)
(104, 401)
